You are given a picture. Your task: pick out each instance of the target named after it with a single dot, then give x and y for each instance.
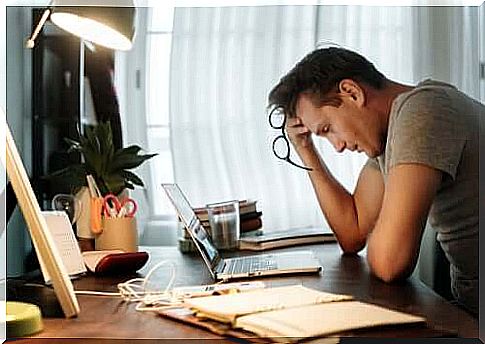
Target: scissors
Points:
(127, 207)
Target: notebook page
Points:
(92, 258)
(226, 308)
(322, 319)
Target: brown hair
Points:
(318, 75)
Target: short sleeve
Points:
(372, 162)
(427, 129)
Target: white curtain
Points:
(447, 46)
(225, 61)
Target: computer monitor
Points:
(37, 226)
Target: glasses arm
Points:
(287, 157)
(300, 166)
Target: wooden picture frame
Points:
(37, 226)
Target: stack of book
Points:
(250, 223)
(291, 237)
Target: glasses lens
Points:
(281, 147)
(277, 119)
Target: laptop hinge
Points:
(219, 268)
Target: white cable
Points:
(97, 293)
(136, 290)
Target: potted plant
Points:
(109, 167)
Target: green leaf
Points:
(108, 167)
(114, 183)
(129, 186)
(127, 151)
(131, 177)
(74, 175)
(105, 137)
(70, 170)
(126, 162)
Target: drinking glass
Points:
(224, 222)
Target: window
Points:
(157, 76)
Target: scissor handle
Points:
(108, 208)
(127, 211)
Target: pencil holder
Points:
(118, 234)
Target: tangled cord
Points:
(136, 290)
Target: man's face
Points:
(349, 126)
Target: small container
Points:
(118, 234)
(224, 222)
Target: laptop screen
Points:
(192, 224)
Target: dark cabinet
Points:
(55, 105)
(56, 99)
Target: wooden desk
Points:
(110, 318)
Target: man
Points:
(422, 143)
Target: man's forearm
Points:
(336, 203)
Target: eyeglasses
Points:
(281, 145)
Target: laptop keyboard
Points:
(250, 264)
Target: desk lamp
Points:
(109, 26)
(95, 21)
(109, 23)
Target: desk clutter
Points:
(250, 224)
(102, 262)
(112, 219)
(252, 235)
(285, 314)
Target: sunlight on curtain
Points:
(447, 46)
(382, 34)
(224, 63)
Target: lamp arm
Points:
(31, 41)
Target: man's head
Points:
(328, 92)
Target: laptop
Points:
(225, 269)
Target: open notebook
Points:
(292, 313)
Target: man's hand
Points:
(299, 135)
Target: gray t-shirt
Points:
(438, 126)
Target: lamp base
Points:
(22, 319)
(33, 291)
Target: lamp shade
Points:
(111, 27)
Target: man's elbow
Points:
(353, 247)
(388, 270)
(389, 275)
